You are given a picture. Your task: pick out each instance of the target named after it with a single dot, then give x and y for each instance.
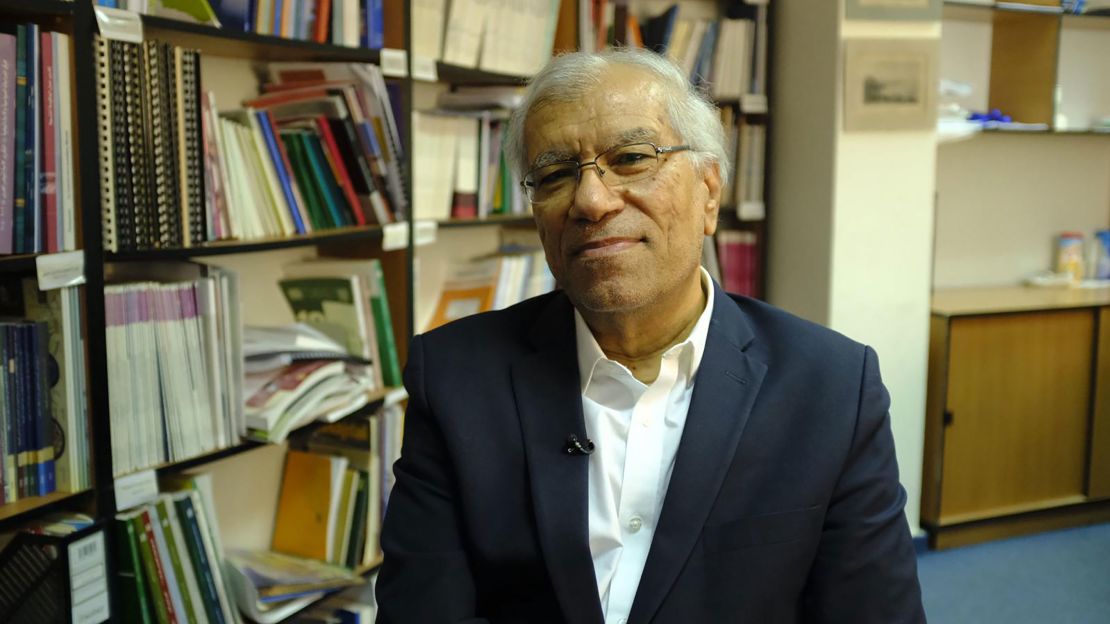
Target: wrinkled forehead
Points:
(625, 106)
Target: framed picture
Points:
(890, 84)
(918, 10)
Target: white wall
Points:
(862, 203)
(1002, 199)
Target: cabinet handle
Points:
(948, 418)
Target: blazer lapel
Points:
(549, 402)
(728, 380)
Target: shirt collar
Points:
(691, 349)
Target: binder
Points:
(104, 136)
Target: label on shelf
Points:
(424, 68)
(119, 24)
(136, 489)
(425, 233)
(394, 63)
(395, 236)
(753, 103)
(88, 580)
(59, 270)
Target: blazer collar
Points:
(724, 393)
(549, 404)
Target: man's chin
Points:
(607, 297)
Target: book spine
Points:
(136, 604)
(7, 432)
(41, 335)
(174, 584)
(20, 202)
(339, 169)
(281, 167)
(182, 570)
(383, 321)
(195, 545)
(7, 138)
(32, 235)
(23, 424)
(323, 20)
(63, 124)
(49, 226)
(314, 202)
(156, 581)
(104, 139)
(376, 25)
(327, 183)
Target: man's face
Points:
(617, 249)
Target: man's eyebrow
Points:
(636, 135)
(552, 156)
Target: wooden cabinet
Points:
(1018, 413)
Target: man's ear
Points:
(711, 177)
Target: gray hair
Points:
(568, 77)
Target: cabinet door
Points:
(1019, 396)
(1099, 478)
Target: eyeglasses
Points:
(555, 184)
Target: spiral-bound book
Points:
(192, 178)
(104, 131)
(138, 150)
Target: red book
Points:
(340, 169)
(163, 586)
(49, 169)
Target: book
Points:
(275, 577)
(132, 577)
(308, 505)
(8, 125)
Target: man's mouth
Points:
(606, 246)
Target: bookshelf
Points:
(228, 63)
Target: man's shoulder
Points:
(783, 333)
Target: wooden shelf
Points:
(223, 248)
(453, 74)
(35, 8)
(22, 263)
(25, 508)
(241, 44)
(500, 221)
(1049, 132)
(1011, 299)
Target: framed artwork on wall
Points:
(890, 84)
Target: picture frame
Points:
(900, 10)
(890, 84)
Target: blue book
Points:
(11, 448)
(705, 54)
(234, 14)
(39, 338)
(279, 8)
(282, 171)
(28, 430)
(375, 24)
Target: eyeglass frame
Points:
(529, 185)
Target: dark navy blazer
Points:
(784, 504)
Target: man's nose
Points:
(593, 200)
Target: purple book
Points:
(7, 139)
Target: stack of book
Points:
(494, 282)
(459, 168)
(37, 190)
(319, 150)
(175, 368)
(42, 393)
(170, 560)
(738, 258)
(509, 37)
(347, 300)
(747, 148)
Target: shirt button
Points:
(635, 523)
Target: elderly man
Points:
(640, 446)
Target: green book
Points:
(182, 565)
(133, 591)
(310, 193)
(322, 170)
(159, 596)
(330, 305)
(383, 325)
(194, 542)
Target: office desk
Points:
(1017, 426)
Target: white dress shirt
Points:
(636, 428)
